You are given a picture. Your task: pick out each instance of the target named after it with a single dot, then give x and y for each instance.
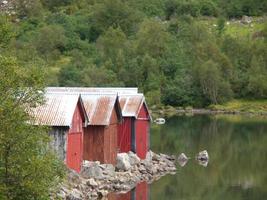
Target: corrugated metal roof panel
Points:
(99, 107)
(119, 90)
(131, 104)
(57, 110)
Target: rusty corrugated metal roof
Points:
(57, 110)
(99, 107)
(103, 90)
(130, 101)
(131, 104)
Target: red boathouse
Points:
(65, 114)
(134, 132)
(100, 138)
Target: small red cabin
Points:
(134, 132)
(100, 138)
(65, 114)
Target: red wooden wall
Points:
(100, 142)
(124, 135)
(142, 191)
(142, 126)
(75, 141)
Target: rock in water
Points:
(182, 159)
(123, 162)
(203, 163)
(203, 156)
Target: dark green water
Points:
(237, 169)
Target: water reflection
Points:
(140, 192)
(238, 158)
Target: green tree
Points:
(115, 13)
(152, 38)
(6, 32)
(111, 43)
(213, 85)
(28, 168)
(50, 41)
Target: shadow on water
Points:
(237, 169)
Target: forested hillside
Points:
(178, 52)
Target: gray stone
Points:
(246, 19)
(92, 170)
(203, 156)
(182, 159)
(75, 195)
(91, 182)
(108, 169)
(149, 156)
(133, 158)
(123, 162)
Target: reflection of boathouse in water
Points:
(140, 192)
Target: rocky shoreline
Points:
(97, 180)
(171, 111)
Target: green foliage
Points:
(115, 13)
(6, 32)
(28, 169)
(50, 40)
(170, 49)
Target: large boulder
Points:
(123, 162)
(92, 170)
(133, 158)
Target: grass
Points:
(251, 106)
(235, 28)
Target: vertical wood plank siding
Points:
(75, 141)
(100, 142)
(124, 135)
(142, 124)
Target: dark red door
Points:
(74, 151)
(141, 135)
(124, 135)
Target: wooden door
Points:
(74, 151)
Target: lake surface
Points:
(237, 169)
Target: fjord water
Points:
(237, 146)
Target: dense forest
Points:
(178, 52)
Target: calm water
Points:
(238, 158)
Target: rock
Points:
(102, 193)
(156, 157)
(149, 156)
(203, 163)
(182, 159)
(246, 19)
(203, 156)
(92, 170)
(123, 162)
(133, 158)
(91, 182)
(75, 195)
(73, 177)
(108, 169)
